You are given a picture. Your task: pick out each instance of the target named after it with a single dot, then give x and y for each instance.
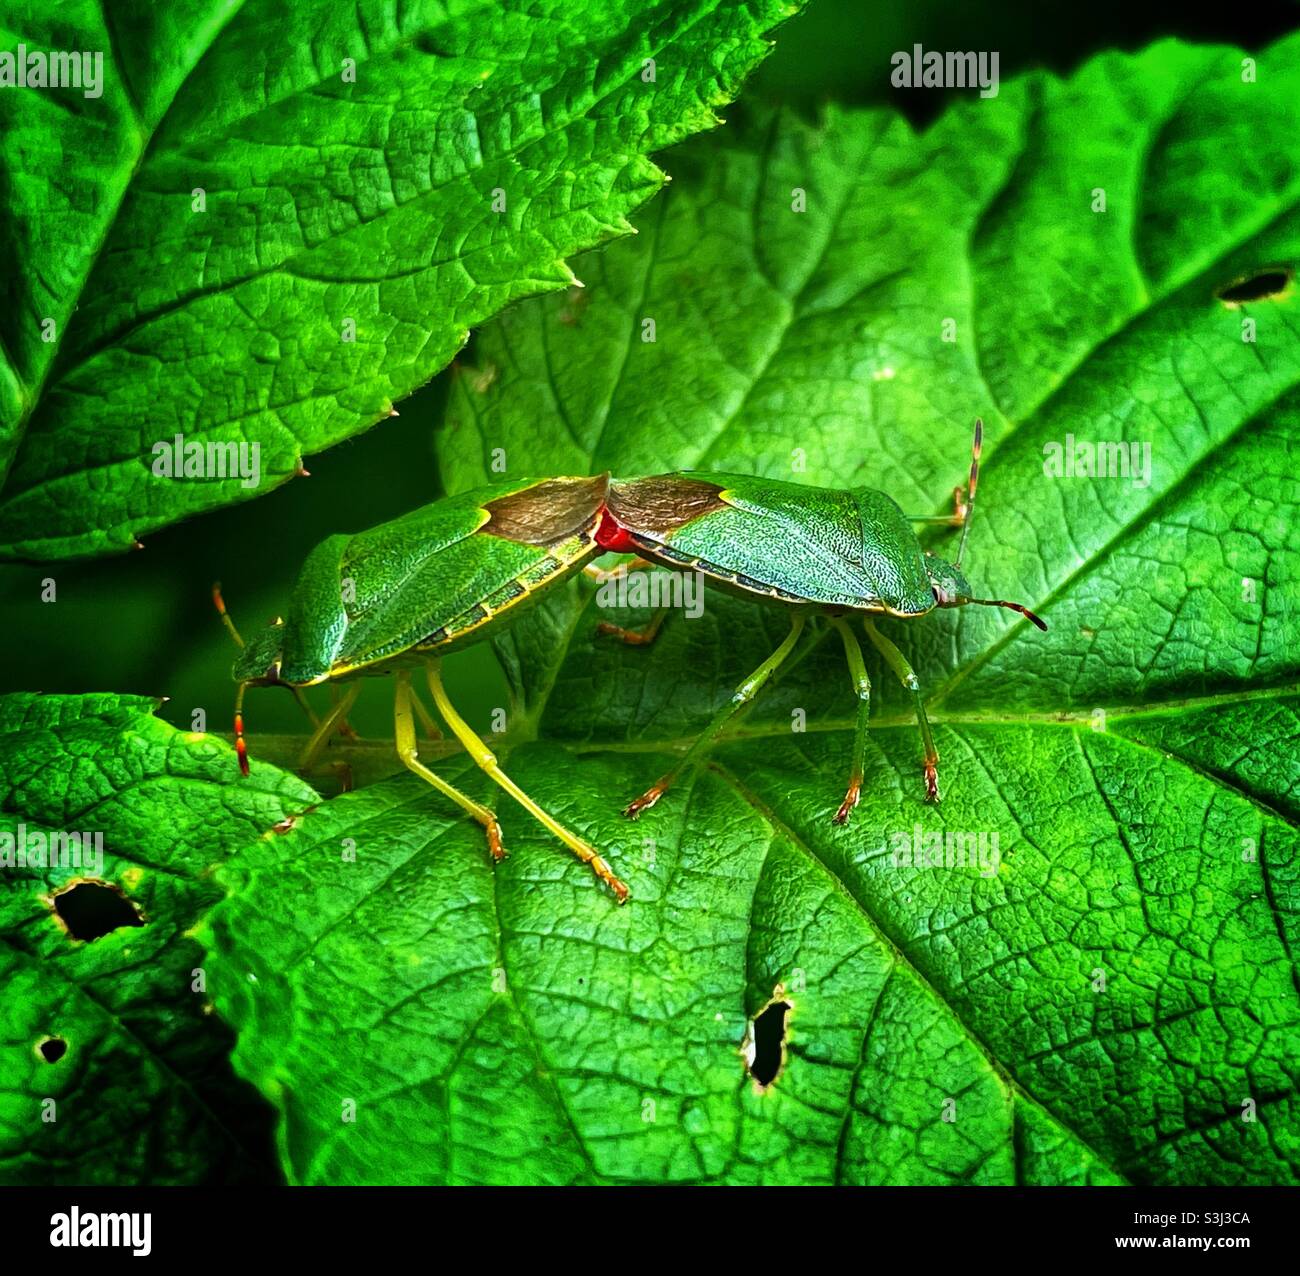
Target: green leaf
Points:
(1108, 990)
(518, 1027)
(135, 1085)
(182, 251)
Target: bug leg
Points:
(431, 728)
(324, 729)
(636, 637)
(906, 675)
(862, 686)
(404, 724)
(346, 729)
(486, 760)
(304, 706)
(963, 498)
(603, 575)
(948, 520)
(960, 511)
(739, 699)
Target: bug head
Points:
(952, 589)
(258, 662)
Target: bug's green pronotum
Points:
(400, 596)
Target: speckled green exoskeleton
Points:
(400, 596)
(813, 551)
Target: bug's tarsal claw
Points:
(931, 781)
(495, 847)
(343, 770)
(647, 799)
(851, 799)
(606, 875)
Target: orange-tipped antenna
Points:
(1000, 602)
(241, 749)
(969, 503)
(220, 604)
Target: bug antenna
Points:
(241, 749)
(220, 604)
(969, 503)
(1001, 602)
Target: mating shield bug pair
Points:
(400, 596)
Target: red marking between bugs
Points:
(612, 535)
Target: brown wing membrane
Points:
(657, 506)
(549, 511)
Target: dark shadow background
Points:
(144, 622)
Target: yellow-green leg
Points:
(486, 760)
(862, 687)
(304, 706)
(346, 729)
(404, 724)
(426, 718)
(742, 695)
(898, 663)
(325, 728)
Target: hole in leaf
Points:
(765, 1042)
(1261, 285)
(52, 1049)
(90, 910)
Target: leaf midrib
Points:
(899, 721)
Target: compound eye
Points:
(940, 596)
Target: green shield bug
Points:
(402, 595)
(813, 551)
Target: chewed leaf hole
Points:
(91, 910)
(764, 1045)
(52, 1049)
(1261, 285)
